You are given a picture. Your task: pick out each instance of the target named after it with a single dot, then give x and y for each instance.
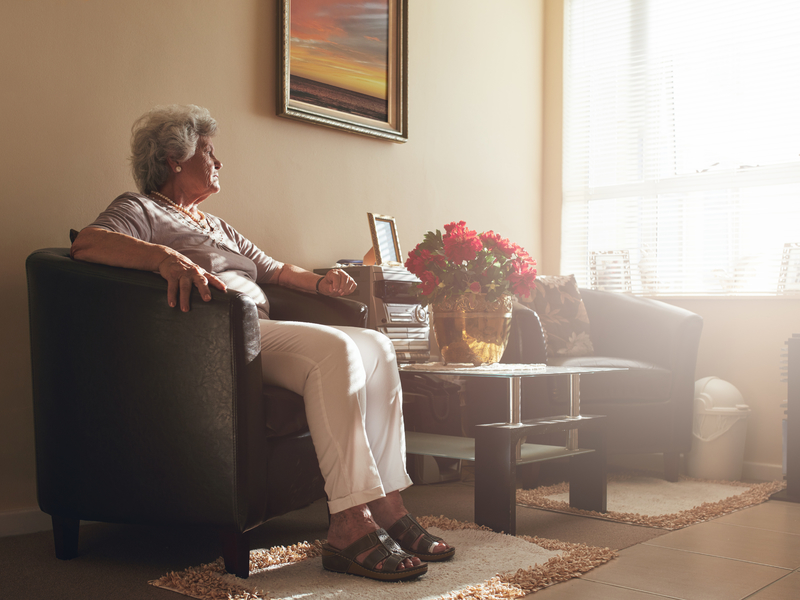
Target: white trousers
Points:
(354, 405)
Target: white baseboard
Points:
(23, 521)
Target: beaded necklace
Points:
(201, 220)
(202, 223)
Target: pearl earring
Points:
(178, 169)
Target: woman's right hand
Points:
(182, 275)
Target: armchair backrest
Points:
(644, 329)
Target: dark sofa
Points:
(147, 415)
(649, 406)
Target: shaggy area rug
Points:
(486, 566)
(654, 502)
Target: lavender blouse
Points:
(223, 251)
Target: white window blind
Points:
(681, 167)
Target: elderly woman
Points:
(347, 376)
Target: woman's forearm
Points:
(118, 250)
(296, 278)
(336, 282)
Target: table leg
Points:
(574, 408)
(515, 407)
(515, 400)
(496, 479)
(587, 473)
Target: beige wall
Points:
(77, 73)
(742, 338)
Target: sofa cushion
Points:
(641, 382)
(558, 303)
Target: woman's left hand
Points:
(337, 283)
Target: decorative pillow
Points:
(558, 303)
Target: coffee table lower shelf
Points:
(499, 448)
(463, 448)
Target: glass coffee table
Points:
(498, 448)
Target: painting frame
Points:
(385, 240)
(395, 127)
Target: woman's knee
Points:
(327, 348)
(378, 343)
(335, 348)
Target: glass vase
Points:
(469, 329)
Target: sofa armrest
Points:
(292, 305)
(143, 413)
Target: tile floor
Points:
(754, 554)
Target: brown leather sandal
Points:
(385, 549)
(407, 531)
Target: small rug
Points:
(654, 502)
(487, 565)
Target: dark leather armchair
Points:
(147, 415)
(649, 406)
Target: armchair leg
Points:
(672, 464)
(236, 553)
(65, 536)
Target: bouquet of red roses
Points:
(464, 262)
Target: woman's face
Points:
(199, 176)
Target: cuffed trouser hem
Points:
(398, 484)
(340, 504)
(367, 496)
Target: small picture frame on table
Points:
(385, 241)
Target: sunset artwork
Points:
(339, 56)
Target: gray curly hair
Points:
(162, 133)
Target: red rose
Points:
(489, 239)
(493, 240)
(438, 260)
(522, 278)
(429, 282)
(460, 243)
(520, 252)
(475, 287)
(417, 261)
(420, 261)
(507, 248)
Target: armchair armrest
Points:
(291, 305)
(143, 413)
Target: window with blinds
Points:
(681, 172)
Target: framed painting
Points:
(344, 64)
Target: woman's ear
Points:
(174, 165)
